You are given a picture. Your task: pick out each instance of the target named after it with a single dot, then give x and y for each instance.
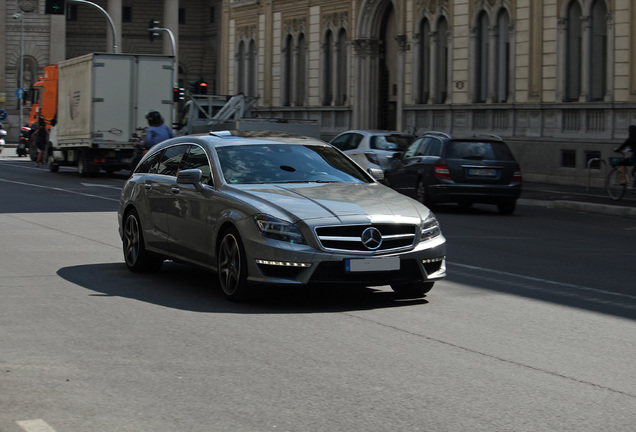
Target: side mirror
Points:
(376, 173)
(192, 177)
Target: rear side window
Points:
(391, 142)
(170, 159)
(477, 150)
(348, 141)
(150, 164)
(197, 159)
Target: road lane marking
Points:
(545, 281)
(38, 425)
(101, 185)
(59, 189)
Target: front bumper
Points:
(275, 262)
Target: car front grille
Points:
(367, 238)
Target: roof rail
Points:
(444, 134)
(489, 135)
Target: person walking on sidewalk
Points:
(40, 136)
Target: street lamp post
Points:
(20, 16)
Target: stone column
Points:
(586, 48)
(171, 22)
(402, 46)
(57, 40)
(114, 10)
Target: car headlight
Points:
(430, 228)
(278, 229)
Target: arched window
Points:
(251, 69)
(341, 68)
(483, 53)
(287, 71)
(424, 62)
(301, 70)
(503, 56)
(441, 81)
(240, 68)
(327, 69)
(598, 51)
(573, 52)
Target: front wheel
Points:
(412, 290)
(615, 184)
(232, 266)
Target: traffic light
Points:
(178, 94)
(54, 7)
(202, 87)
(152, 25)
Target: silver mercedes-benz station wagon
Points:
(275, 208)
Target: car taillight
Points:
(516, 176)
(442, 172)
(372, 157)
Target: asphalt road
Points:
(533, 330)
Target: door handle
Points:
(175, 190)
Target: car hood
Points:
(342, 201)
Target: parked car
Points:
(372, 149)
(438, 168)
(280, 209)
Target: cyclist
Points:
(156, 133)
(630, 143)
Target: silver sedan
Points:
(275, 209)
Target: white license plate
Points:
(372, 264)
(482, 172)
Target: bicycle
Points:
(616, 184)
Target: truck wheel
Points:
(82, 164)
(53, 167)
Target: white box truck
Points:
(100, 108)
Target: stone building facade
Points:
(48, 39)
(552, 77)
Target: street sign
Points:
(19, 93)
(3, 115)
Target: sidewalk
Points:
(577, 198)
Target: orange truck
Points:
(95, 106)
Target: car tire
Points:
(412, 290)
(232, 266)
(507, 207)
(465, 205)
(420, 193)
(137, 258)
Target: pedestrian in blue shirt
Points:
(157, 132)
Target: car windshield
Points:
(475, 150)
(283, 163)
(391, 142)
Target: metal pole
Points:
(21, 66)
(110, 20)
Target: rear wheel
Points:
(507, 207)
(412, 290)
(232, 266)
(615, 185)
(137, 258)
(420, 192)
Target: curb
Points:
(610, 210)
